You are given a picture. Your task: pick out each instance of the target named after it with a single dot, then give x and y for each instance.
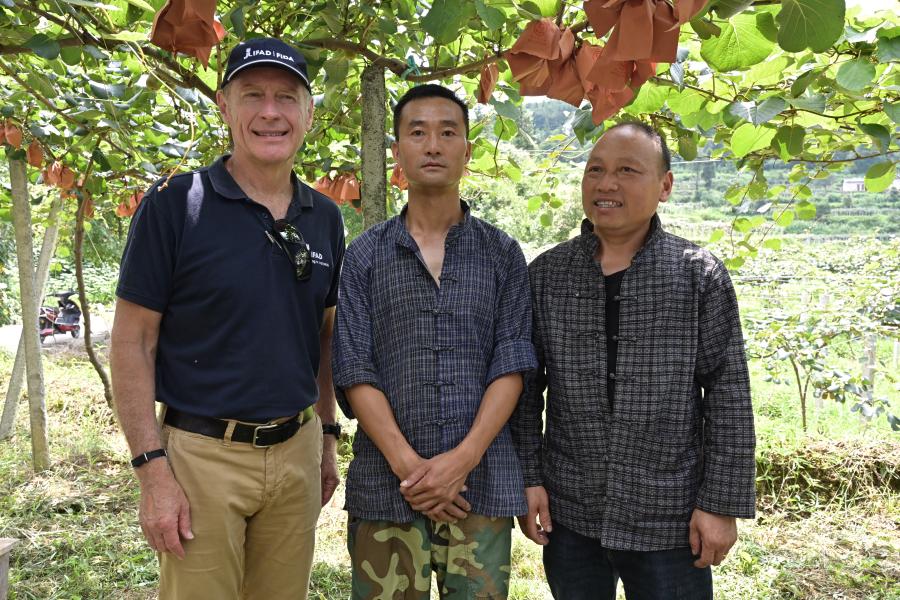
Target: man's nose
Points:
(607, 181)
(432, 144)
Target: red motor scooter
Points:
(65, 317)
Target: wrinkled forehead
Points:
(626, 144)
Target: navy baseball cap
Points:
(266, 52)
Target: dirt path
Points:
(100, 324)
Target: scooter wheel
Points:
(43, 337)
(75, 332)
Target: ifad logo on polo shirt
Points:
(251, 53)
(318, 259)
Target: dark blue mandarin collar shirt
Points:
(432, 350)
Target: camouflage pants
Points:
(394, 561)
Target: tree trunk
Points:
(14, 390)
(40, 448)
(85, 307)
(374, 165)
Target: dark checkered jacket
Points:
(680, 434)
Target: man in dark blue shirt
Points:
(225, 307)
(432, 336)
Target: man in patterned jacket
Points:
(432, 335)
(647, 457)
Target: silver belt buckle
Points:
(256, 433)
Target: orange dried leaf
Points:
(35, 154)
(187, 26)
(87, 208)
(605, 103)
(13, 135)
(398, 178)
(490, 74)
(540, 39)
(566, 85)
(685, 10)
(349, 188)
(66, 178)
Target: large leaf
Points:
(444, 20)
(888, 48)
(788, 141)
(880, 176)
(759, 113)
(744, 42)
(856, 74)
(892, 110)
(728, 8)
(43, 46)
(879, 134)
(748, 138)
(813, 24)
(490, 16)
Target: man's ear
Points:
(667, 182)
(309, 116)
(222, 102)
(395, 150)
(468, 151)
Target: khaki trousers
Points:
(253, 515)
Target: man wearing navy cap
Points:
(225, 308)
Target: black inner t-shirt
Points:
(613, 284)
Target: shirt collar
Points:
(406, 240)
(589, 241)
(225, 185)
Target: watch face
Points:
(332, 429)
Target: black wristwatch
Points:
(332, 429)
(142, 459)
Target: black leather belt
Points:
(261, 436)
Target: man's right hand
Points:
(165, 514)
(537, 524)
(413, 465)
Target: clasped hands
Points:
(434, 486)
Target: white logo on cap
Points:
(251, 53)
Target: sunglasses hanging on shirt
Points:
(285, 236)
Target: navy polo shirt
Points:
(239, 335)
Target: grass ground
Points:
(814, 538)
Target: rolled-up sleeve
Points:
(352, 356)
(513, 350)
(728, 486)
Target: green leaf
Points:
(444, 20)
(726, 9)
(43, 46)
(71, 55)
(811, 102)
(237, 21)
(336, 70)
(42, 84)
(888, 49)
(772, 244)
(534, 203)
(801, 83)
(92, 4)
(813, 24)
(716, 235)
(100, 158)
(141, 4)
(748, 138)
(128, 36)
(879, 134)
(789, 141)
(686, 102)
(892, 110)
(742, 44)
(506, 109)
(547, 219)
(785, 218)
(490, 16)
(759, 113)
(687, 147)
(856, 74)
(880, 176)
(806, 210)
(650, 99)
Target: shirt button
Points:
(617, 298)
(612, 376)
(615, 338)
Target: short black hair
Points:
(653, 134)
(429, 90)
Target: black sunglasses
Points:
(291, 241)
